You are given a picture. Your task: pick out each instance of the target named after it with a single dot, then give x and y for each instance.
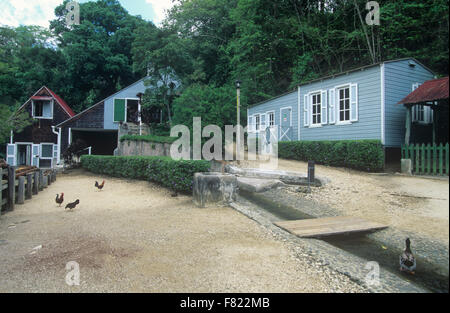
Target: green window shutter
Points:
(119, 110)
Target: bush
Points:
(176, 175)
(148, 138)
(366, 155)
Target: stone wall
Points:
(128, 147)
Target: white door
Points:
(11, 152)
(286, 124)
(35, 155)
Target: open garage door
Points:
(102, 142)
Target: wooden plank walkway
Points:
(328, 226)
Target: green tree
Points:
(97, 52)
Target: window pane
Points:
(347, 115)
(347, 92)
(47, 151)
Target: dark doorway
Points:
(102, 142)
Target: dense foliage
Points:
(366, 155)
(148, 138)
(203, 46)
(176, 175)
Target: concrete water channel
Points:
(349, 253)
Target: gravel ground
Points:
(134, 237)
(410, 204)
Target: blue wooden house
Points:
(101, 125)
(356, 104)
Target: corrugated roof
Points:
(62, 103)
(431, 90)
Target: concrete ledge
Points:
(213, 188)
(406, 166)
(258, 184)
(292, 178)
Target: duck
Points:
(407, 259)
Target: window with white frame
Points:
(42, 109)
(271, 119)
(343, 104)
(316, 104)
(257, 122)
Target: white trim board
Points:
(383, 104)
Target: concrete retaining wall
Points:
(128, 147)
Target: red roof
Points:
(431, 90)
(62, 103)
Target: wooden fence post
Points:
(11, 187)
(28, 192)
(21, 190)
(41, 180)
(54, 175)
(45, 181)
(36, 183)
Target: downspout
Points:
(59, 143)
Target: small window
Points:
(344, 104)
(47, 151)
(316, 105)
(257, 122)
(42, 109)
(271, 119)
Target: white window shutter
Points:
(35, 155)
(324, 111)
(263, 121)
(306, 111)
(332, 105)
(354, 102)
(11, 151)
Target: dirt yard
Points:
(413, 204)
(134, 237)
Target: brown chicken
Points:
(100, 187)
(60, 199)
(72, 205)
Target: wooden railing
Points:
(16, 187)
(427, 159)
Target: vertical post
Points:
(238, 118)
(11, 187)
(428, 159)
(45, 181)
(435, 116)
(35, 183)
(441, 157)
(446, 158)
(21, 190)
(41, 180)
(1, 189)
(423, 158)
(417, 158)
(408, 125)
(49, 179)
(28, 193)
(434, 159)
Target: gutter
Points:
(59, 143)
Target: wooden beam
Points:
(11, 187)
(29, 187)
(36, 183)
(408, 124)
(21, 191)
